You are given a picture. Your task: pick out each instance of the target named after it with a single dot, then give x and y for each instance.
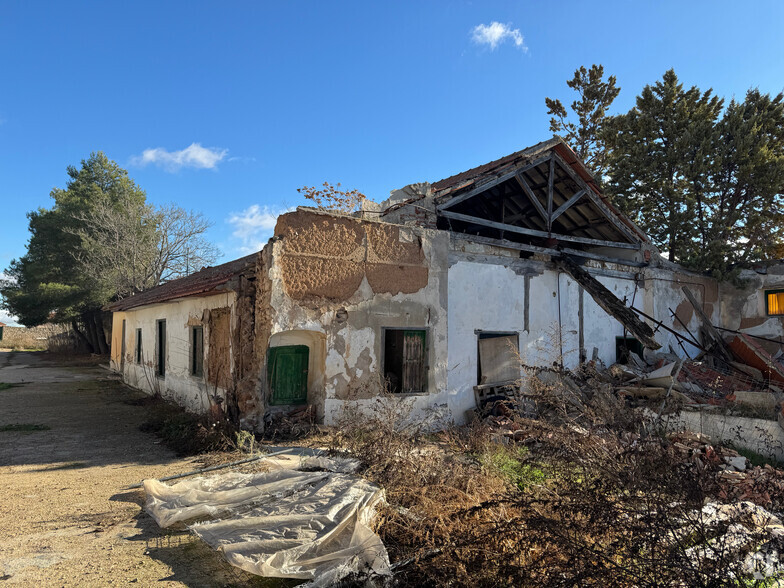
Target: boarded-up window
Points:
(218, 353)
(499, 359)
(197, 351)
(405, 360)
(774, 302)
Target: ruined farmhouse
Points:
(439, 295)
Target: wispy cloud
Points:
(253, 227)
(194, 156)
(496, 33)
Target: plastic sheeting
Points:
(288, 523)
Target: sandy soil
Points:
(64, 518)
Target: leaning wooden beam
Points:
(706, 322)
(567, 204)
(614, 220)
(533, 232)
(609, 302)
(531, 196)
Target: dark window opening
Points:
(405, 360)
(624, 346)
(774, 302)
(138, 345)
(499, 357)
(160, 367)
(197, 351)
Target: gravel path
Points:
(64, 519)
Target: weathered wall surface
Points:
(744, 308)
(759, 435)
(336, 282)
(178, 384)
(37, 337)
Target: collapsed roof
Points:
(541, 194)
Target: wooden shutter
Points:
(414, 349)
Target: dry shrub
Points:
(566, 505)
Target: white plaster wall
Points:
(599, 328)
(178, 384)
(759, 435)
(482, 296)
(491, 297)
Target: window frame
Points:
(138, 354)
(425, 359)
(767, 301)
(194, 372)
(160, 348)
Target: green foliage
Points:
(703, 181)
(99, 242)
(510, 465)
(23, 428)
(46, 284)
(584, 135)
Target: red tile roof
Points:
(200, 283)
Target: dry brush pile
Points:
(604, 501)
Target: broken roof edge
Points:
(205, 282)
(486, 172)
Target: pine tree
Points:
(595, 98)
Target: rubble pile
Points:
(735, 478)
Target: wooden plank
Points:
(546, 250)
(531, 196)
(534, 233)
(550, 179)
(567, 204)
(609, 302)
(706, 322)
(479, 188)
(609, 214)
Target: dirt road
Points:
(69, 442)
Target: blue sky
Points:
(227, 108)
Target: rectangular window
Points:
(774, 302)
(405, 360)
(138, 345)
(626, 345)
(160, 364)
(499, 358)
(197, 351)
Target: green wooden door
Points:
(287, 373)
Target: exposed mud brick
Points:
(385, 245)
(396, 279)
(308, 277)
(218, 358)
(310, 233)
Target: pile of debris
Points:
(736, 480)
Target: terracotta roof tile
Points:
(199, 283)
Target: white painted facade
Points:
(178, 384)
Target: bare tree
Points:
(128, 247)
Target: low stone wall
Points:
(765, 437)
(57, 337)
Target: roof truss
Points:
(546, 199)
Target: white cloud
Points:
(194, 155)
(497, 33)
(253, 227)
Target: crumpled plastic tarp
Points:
(288, 523)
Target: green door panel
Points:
(287, 374)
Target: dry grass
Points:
(568, 504)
